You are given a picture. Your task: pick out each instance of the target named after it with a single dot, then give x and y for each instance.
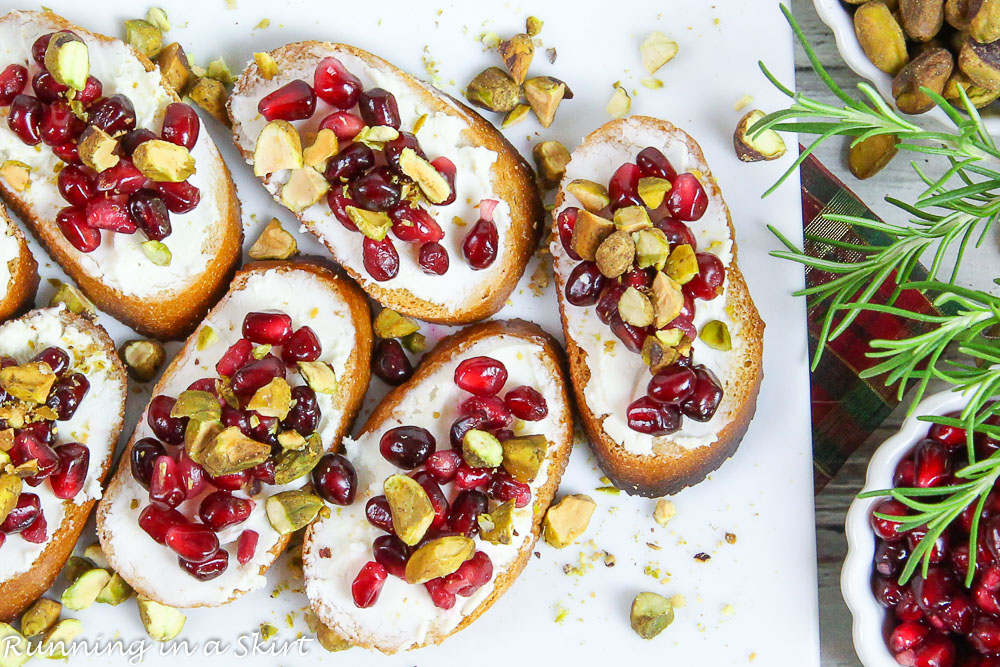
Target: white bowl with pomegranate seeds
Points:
(865, 589)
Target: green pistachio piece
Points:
(292, 464)
(481, 449)
(202, 405)
(412, 512)
(162, 623)
(651, 248)
(273, 399)
(291, 510)
(84, 591)
(651, 614)
(493, 89)
(715, 334)
(567, 520)
(632, 218)
(233, 452)
(439, 558)
(10, 490)
(524, 455)
(116, 591)
(319, 376)
(652, 191)
(76, 566)
(144, 37)
(497, 527)
(15, 646)
(68, 60)
(390, 324)
(40, 617)
(198, 435)
(415, 342)
(373, 224)
(157, 252)
(56, 642)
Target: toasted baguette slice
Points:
(607, 377)
(160, 301)
(21, 269)
(28, 570)
(312, 295)
(489, 167)
(336, 548)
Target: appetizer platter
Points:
(435, 404)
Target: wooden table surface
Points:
(899, 178)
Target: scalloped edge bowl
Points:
(835, 15)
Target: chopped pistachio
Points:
(219, 70)
(274, 243)
(17, 174)
(533, 25)
(96, 149)
(632, 218)
(158, 17)
(76, 566)
(588, 233)
(390, 324)
(616, 254)
(73, 299)
(754, 147)
(174, 67)
(289, 511)
(544, 94)
(515, 115)
(157, 252)
(373, 224)
(376, 136)
(619, 104)
(657, 355)
(10, 490)
(40, 617)
(163, 161)
(481, 449)
(431, 181)
(567, 520)
(667, 299)
(206, 337)
(116, 591)
(84, 591)
(497, 527)
(551, 158)
(67, 59)
(593, 196)
(143, 358)
(523, 456)
(652, 248)
(95, 554)
(330, 640)
(516, 54)
(651, 614)
(652, 191)
(56, 642)
(144, 37)
(635, 308)
(304, 188)
(162, 623)
(232, 452)
(291, 464)
(411, 508)
(266, 64)
(656, 51)
(439, 558)
(494, 90)
(682, 265)
(273, 399)
(267, 632)
(199, 435)
(211, 96)
(673, 337)
(278, 147)
(323, 147)
(415, 342)
(28, 382)
(715, 334)
(651, 83)
(664, 511)
(16, 647)
(319, 376)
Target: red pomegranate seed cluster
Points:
(458, 492)
(34, 453)
(164, 467)
(120, 198)
(682, 389)
(372, 179)
(934, 619)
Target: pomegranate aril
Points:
(441, 598)
(25, 512)
(67, 152)
(378, 107)
(335, 479)
(76, 184)
(447, 169)
(443, 464)
(526, 403)
(66, 395)
(481, 245)
(436, 496)
(55, 358)
(231, 482)
(905, 474)
(378, 513)
(623, 189)
(156, 519)
(565, 222)
(467, 478)
(208, 569)
(246, 546)
(407, 447)
(890, 557)
(165, 484)
(482, 376)
(677, 233)
(193, 478)
(122, 179)
(27, 447)
(390, 363)
(144, 453)
(351, 161)
(711, 275)
(59, 124)
(293, 101)
(632, 336)
(38, 48)
(641, 279)
(380, 258)
(37, 532)
(71, 475)
(266, 429)
(884, 528)
(414, 225)
(368, 584)
(907, 635)
(470, 576)
(344, 124)
(959, 615)
(25, 119)
(394, 148)
(168, 429)
(433, 259)
(13, 79)
(181, 125)
(932, 464)
(463, 425)
(113, 114)
(109, 212)
(302, 345)
(92, 91)
(985, 635)
(391, 553)
(672, 385)
(947, 435)
(687, 199)
(584, 285)
(492, 408)
(220, 509)
(267, 328)
(179, 197)
(375, 190)
(887, 591)
(304, 415)
(607, 302)
(652, 418)
(46, 88)
(192, 542)
(256, 374)
(505, 488)
(150, 214)
(465, 510)
(935, 591)
(702, 403)
(335, 85)
(130, 141)
(652, 162)
(234, 358)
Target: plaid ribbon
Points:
(846, 408)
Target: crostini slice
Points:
(329, 321)
(159, 281)
(638, 192)
(70, 456)
(337, 548)
(399, 256)
(18, 269)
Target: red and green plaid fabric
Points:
(846, 409)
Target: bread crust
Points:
(675, 468)
(167, 315)
(352, 388)
(558, 455)
(19, 593)
(513, 181)
(23, 274)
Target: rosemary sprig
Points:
(957, 207)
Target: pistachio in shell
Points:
(516, 54)
(616, 254)
(921, 19)
(544, 94)
(977, 95)
(551, 158)
(651, 614)
(588, 233)
(494, 90)
(439, 558)
(881, 36)
(497, 526)
(524, 455)
(292, 464)
(754, 147)
(289, 511)
(868, 157)
(981, 63)
(412, 512)
(931, 69)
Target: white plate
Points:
(835, 15)
(764, 496)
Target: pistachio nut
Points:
(157, 252)
(620, 103)
(567, 520)
(303, 188)
(481, 449)
(977, 95)
(985, 24)
(373, 224)
(632, 218)
(664, 511)
(657, 355)
(84, 591)
(667, 299)
(323, 147)
(981, 63)
(494, 90)
(635, 308)
(651, 248)
(868, 157)
(40, 617)
(76, 566)
(163, 161)
(289, 511)
(17, 650)
(174, 67)
(715, 334)
(144, 37)
(931, 70)
(292, 464)
(412, 512)
(162, 623)
(616, 254)
(533, 25)
(274, 243)
(921, 19)
(199, 435)
(390, 324)
(56, 642)
(73, 299)
(291, 440)
(524, 455)
(219, 70)
(516, 54)
(142, 358)
(544, 94)
(653, 190)
(319, 376)
(515, 115)
(551, 158)
(881, 36)
(28, 382)
(97, 149)
(116, 591)
(273, 399)
(211, 96)
(158, 17)
(497, 527)
(415, 342)
(266, 64)
(202, 405)
(588, 233)
(10, 491)
(656, 51)
(682, 264)
(17, 174)
(593, 196)
(651, 614)
(68, 60)
(757, 146)
(95, 554)
(439, 558)
(232, 452)
(432, 183)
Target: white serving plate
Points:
(835, 15)
(764, 496)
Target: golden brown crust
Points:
(669, 472)
(513, 181)
(23, 274)
(443, 352)
(18, 593)
(167, 315)
(352, 388)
